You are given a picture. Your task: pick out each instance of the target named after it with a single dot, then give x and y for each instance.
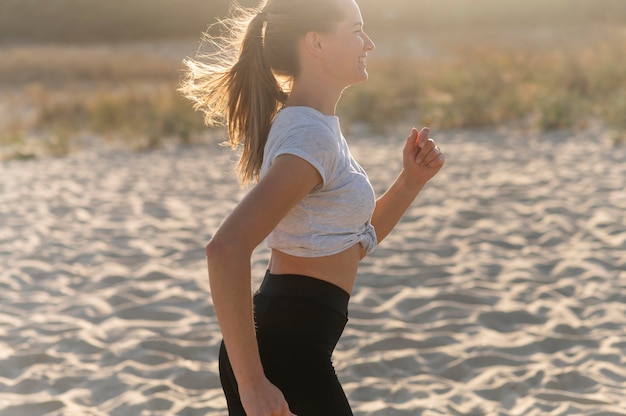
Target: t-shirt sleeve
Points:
(317, 146)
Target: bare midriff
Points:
(339, 269)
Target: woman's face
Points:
(346, 47)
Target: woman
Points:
(312, 202)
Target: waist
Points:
(338, 269)
(307, 288)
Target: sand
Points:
(502, 292)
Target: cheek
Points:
(344, 55)
(341, 57)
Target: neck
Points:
(317, 95)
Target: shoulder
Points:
(306, 133)
(306, 125)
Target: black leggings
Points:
(299, 320)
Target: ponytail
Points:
(237, 87)
(253, 101)
(243, 82)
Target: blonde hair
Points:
(245, 79)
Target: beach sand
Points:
(501, 292)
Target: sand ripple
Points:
(502, 292)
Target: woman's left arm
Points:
(421, 160)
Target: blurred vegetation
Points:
(134, 119)
(402, 15)
(55, 99)
(486, 87)
(123, 20)
(110, 20)
(562, 66)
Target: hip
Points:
(299, 310)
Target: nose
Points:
(369, 44)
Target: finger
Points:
(437, 162)
(422, 137)
(411, 141)
(431, 154)
(427, 148)
(435, 158)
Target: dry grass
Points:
(496, 85)
(55, 98)
(138, 118)
(63, 65)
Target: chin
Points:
(362, 76)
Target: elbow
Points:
(216, 249)
(216, 259)
(211, 250)
(220, 249)
(225, 258)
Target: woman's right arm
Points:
(228, 255)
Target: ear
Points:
(313, 43)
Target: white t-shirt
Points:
(336, 214)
